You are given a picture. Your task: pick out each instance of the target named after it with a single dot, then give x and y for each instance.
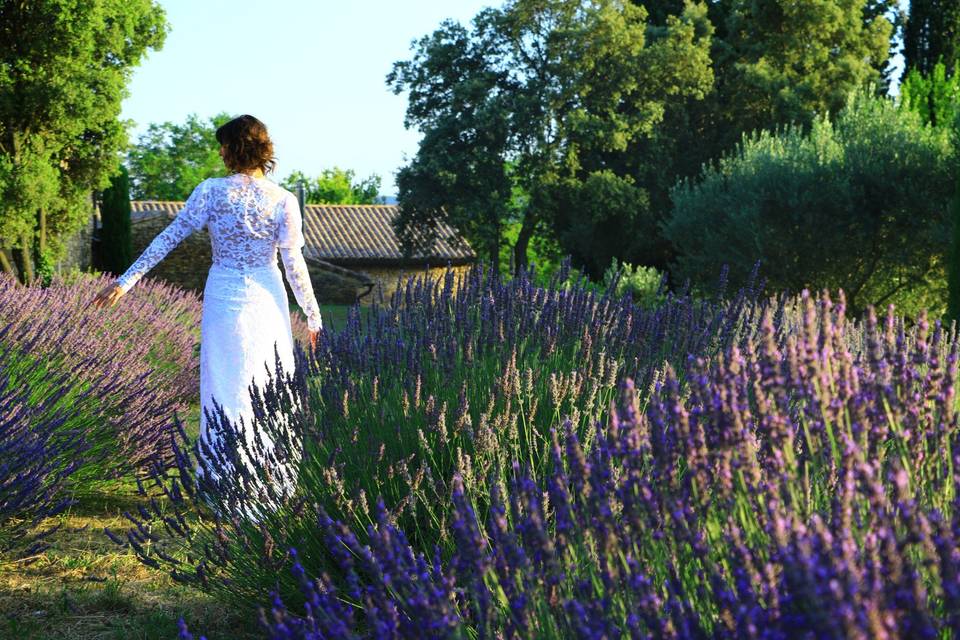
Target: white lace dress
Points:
(245, 306)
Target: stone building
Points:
(351, 251)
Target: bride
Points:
(245, 323)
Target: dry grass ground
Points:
(86, 588)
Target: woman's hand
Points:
(313, 338)
(108, 296)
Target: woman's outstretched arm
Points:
(290, 240)
(191, 218)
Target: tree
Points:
(953, 257)
(64, 68)
(859, 204)
(773, 63)
(790, 62)
(116, 243)
(336, 186)
(934, 96)
(169, 160)
(931, 35)
(543, 97)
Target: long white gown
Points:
(245, 306)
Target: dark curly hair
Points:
(248, 146)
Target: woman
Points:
(245, 308)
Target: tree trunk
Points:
(493, 236)
(40, 247)
(6, 261)
(25, 263)
(523, 242)
(494, 256)
(42, 234)
(953, 255)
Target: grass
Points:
(334, 316)
(86, 588)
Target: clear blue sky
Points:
(313, 71)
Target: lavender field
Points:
(524, 458)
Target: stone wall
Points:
(386, 278)
(187, 265)
(78, 250)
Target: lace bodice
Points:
(248, 219)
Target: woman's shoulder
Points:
(265, 184)
(282, 193)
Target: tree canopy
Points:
(170, 159)
(64, 69)
(932, 35)
(572, 119)
(336, 186)
(524, 114)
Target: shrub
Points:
(139, 359)
(116, 242)
(645, 284)
(859, 205)
(45, 424)
(793, 488)
(449, 378)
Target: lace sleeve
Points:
(191, 218)
(290, 240)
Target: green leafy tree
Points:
(790, 62)
(953, 258)
(544, 98)
(169, 160)
(936, 98)
(116, 242)
(64, 69)
(595, 110)
(932, 35)
(934, 95)
(859, 204)
(773, 63)
(336, 186)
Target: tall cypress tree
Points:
(932, 32)
(953, 264)
(116, 243)
(953, 256)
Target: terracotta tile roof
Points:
(344, 234)
(363, 233)
(143, 209)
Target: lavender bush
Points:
(44, 427)
(140, 358)
(448, 378)
(793, 488)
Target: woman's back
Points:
(246, 218)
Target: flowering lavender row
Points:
(139, 357)
(43, 431)
(450, 377)
(798, 488)
(438, 325)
